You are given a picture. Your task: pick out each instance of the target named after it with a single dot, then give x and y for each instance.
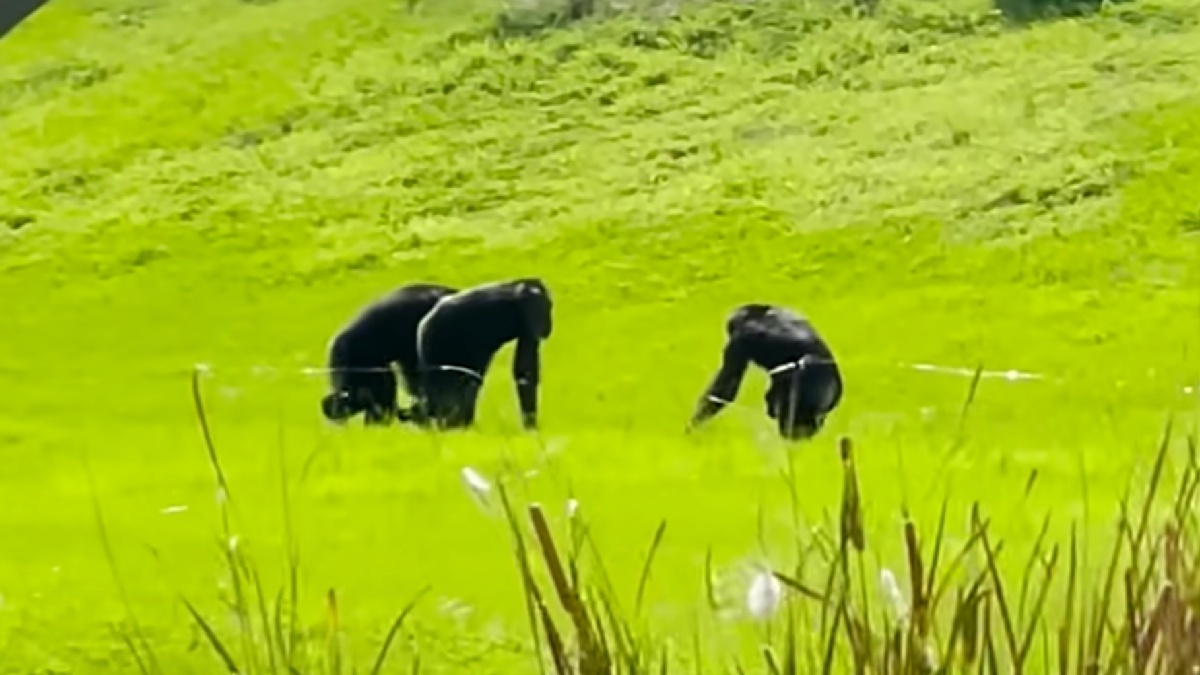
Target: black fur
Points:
(458, 339)
(383, 333)
(806, 384)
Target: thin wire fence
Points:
(1186, 385)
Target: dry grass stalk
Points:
(1154, 628)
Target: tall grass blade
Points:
(1027, 575)
(206, 434)
(851, 519)
(137, 643)
(936, 557)
(214, 641)
(133, 651)
(532, 600)
(710, 592)
(394, 629)
(799, 587)
(645, 575)
(333, 648)
(1034, 619)
(1007, 624)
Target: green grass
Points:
(225, 182)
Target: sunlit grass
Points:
(224, 183)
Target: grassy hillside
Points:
(226, 182)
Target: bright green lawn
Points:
(226, 182)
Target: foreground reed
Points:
(1143, 617)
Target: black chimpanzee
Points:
(805, 382)
(361, 354)
(459, 338)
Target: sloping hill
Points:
(224, 182)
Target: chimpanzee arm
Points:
(723, 389)
(526, 372)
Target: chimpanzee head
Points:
(338, 407)
(345, 403)
(800, 398)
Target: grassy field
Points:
(225, 182)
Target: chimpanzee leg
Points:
(468, 398)
(432, 401)
(449, 398)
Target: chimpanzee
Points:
(362, 353)
(805, 382)
(459, 338)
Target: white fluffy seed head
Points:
(891, 592)
(764, 596)
(479, 489)
(476, 483)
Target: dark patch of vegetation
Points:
(271, 131)
(694, 30)
(145, 256)
(1158, 19)
(698, 41)
(933, 27)
(119, 18)
(16, 221)
(532, 19)
(52, 78)
(1070, 190)
(1026, 11)
(60, 182)
(1190, 223)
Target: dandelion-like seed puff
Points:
(893, 595)
(764, 596)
